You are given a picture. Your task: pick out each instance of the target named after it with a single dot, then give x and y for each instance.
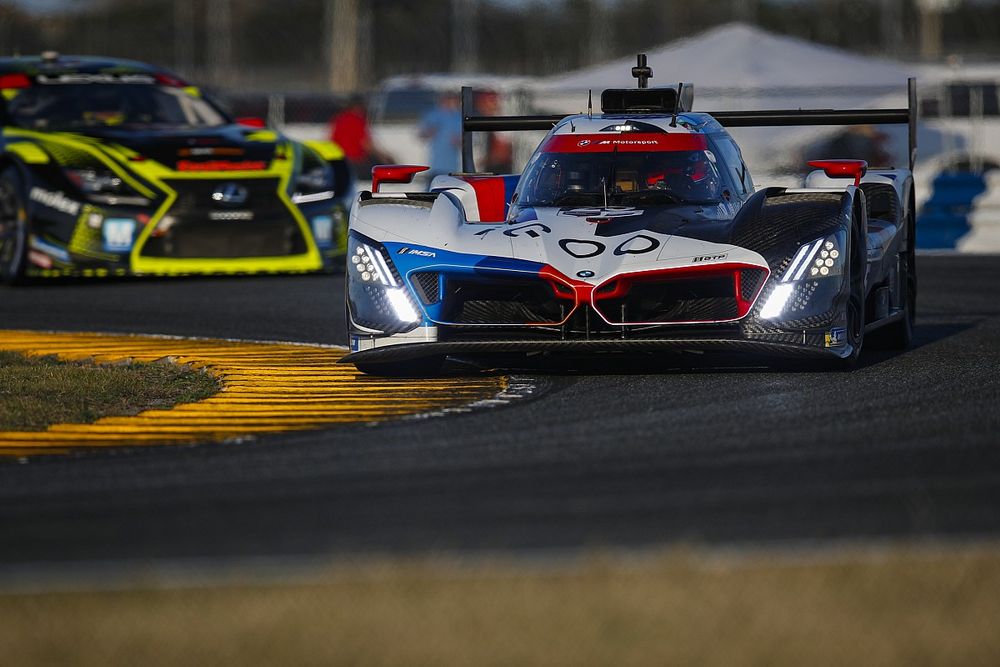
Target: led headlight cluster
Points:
(810, 266)
(369, 264)
(826, 260)
(818, 259)
(379, 299)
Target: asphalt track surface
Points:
(905, 447)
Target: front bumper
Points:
(480, 348)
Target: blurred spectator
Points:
(349, 129)
(499, 148)
(442, 128)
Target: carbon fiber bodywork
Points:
(776, 271)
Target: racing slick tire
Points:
(854, 307)
(410, 368)
(899, 334)
(13, 228)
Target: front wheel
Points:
(13, 228)
(854, 308)
(899, 334)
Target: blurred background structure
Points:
(299, 62)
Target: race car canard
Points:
(112, 168)
(635, 230)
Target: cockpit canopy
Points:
(621, 169)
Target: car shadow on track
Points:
(693, 362)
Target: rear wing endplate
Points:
(770, 118)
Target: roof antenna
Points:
(677, 104)
(590, 104)
(642, 72)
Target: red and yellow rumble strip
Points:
(267, 388)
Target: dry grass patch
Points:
(36, 392)
(900, 608)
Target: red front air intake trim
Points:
(619, 287)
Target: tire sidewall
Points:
(14, 271)
(854, 307)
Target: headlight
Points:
(816, 267)
(379, 300)
(103, 186)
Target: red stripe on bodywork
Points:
(625, 143)
(565, 287)
(14, 81)
(490, 197)
(619, 286)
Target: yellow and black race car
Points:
(114, 167)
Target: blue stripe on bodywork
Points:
(410, 258)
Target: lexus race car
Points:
(113, 167)
(639, 230)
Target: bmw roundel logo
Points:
(584, 274)
(584, 142)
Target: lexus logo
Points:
(230, 193)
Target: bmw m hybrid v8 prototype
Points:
(637, 229)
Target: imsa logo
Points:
(415, 251)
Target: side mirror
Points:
(251, 121)
(394, 173)
(842, 168)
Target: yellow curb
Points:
(266, 388)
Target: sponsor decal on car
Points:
(54, 251)
(230, 215)
(77, 78)
(322, 228)
(415, 251)
(118, 234)
(221, 165)
(40, 259)
(602, 212)
(836, 337)
(628, 142)
(54, 200)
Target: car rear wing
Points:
(769, 118)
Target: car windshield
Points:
(617, 178)
(90, 105)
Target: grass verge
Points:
(36, 392)
(898, 607)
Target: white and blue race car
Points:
(635, 230)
